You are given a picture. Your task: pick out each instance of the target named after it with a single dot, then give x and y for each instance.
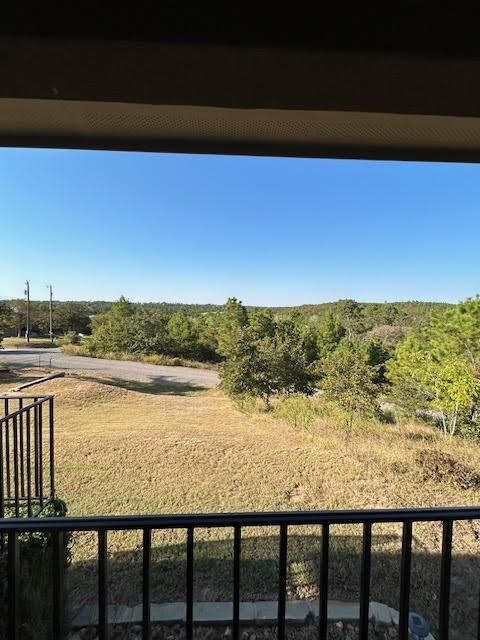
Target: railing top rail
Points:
(25, 396)
(254, 519)
(25, 408)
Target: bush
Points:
(297, 411)
(69, 338)
(35, 580)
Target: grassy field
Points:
(21, 343)
(132, 448)
(79, 350)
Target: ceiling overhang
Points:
(238, 100)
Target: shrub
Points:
(349, 381)
(297, 411)
(35, 580)
(69, 338)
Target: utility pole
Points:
(27, 293)
(50, 312)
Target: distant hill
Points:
(410, 312)
(377, 313)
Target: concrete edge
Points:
(262, 612)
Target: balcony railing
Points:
(57, 528)
(27, 463)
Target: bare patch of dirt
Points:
(297, 494)
(442, 467)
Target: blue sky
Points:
(270, 231)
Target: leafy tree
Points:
(286, 359)
(5, 318)
(263, 356)
(378, 355)
(18, 315)
(330, 331)
(119, 330)
(349, 380)
(442, 360)
(233, 319)
(183, 335)
(352, 317)
(69, 317)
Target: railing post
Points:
(365, 581)
(282, 581)
(237, 543)
(189, 606)
(405, 581)
(102, 585)
(445, 571)
(146, 584)
(323, 603)
(58, 558)
(13, 585)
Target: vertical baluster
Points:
(237, 542)
(189, 613)
(40, 453)
(22, 455)
(2, 478)
(102, 586)
(58, 584)
(29, 463)
(478, 617)
(146, 584)
(15, 466)
(52, 449)
(13, 586)
(282, 581)
(365, 580)
(323, 603)
(7, 460)
(405, 581)
(445, 579)
(35, 448)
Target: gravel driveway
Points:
(134, 371)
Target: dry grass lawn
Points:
(168, 450)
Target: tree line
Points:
(388, 321)
(420, 357)
(432, 367)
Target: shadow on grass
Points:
(213, 575)
(158, 385)
(14, 378)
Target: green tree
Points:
(68, 317)
(263, 356)
(378, 355)
(183, 335)
(349, 380)
(442, 361)
(330, 331)
(351, 314)
(18, 313)
(5, 318)
(233, 319)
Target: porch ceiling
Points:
(219, 98)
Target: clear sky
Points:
(269, 231)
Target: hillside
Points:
(155, 450)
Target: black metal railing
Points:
(57, 528)
(27, 459)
